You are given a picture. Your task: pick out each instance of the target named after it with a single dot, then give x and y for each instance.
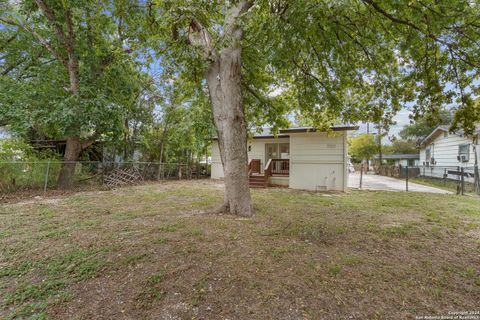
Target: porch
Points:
(275, 172)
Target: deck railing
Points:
(267, 172)
(281, 167)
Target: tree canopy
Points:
(363, 147)
(422, 127)
(37, 40)
(337, 61)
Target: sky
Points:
(401, 118)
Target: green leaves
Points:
(363, 147)
(35, 93)
(341, 61)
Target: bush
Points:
(22, 167)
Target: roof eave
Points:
(334, 128)
(427, 138)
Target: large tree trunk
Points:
(72, 153)
(224, 83)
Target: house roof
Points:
(336, 127)
(266, 133)
(444, 128)
(401, 156)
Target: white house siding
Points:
(257, 151)
(317, 161)
(445, 151)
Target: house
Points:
(442, 148)
(409, 159)
(298, 158)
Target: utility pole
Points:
(380, 156)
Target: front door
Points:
(271, 151)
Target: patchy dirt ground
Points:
(148, 252)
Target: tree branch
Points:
(410, 24)
(87, 143)
(8, 41)
(48, 12)
(40, 39)
(199, 36)
(12, 66)
(262, 99)
(232, 27)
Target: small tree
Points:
(363, 147)
(403, 147)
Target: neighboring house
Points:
(300, 158)
(444, 149)
(411, 160)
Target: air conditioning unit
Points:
(463, 158)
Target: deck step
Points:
(257, 181)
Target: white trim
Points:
(431, 134)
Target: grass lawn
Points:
(148, 252)
(450, 185)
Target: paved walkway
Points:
(377, 182)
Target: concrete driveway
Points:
(377, 182)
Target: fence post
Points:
(159, 170)
(458, 181)
(462, 179)
(361, 175)
(46, 179)
(102, 172)
(444, 177)
(476, 179)
(406, 178)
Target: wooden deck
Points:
(274, 167)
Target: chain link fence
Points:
(458, 179)
(43, 175)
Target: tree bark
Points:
(72, 153)
(224, 84)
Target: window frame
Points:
(428, 154)
(466, 153)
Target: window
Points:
(445, 134)
(277, 151)
(284, 150)
(464, 152)
(428, 154)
